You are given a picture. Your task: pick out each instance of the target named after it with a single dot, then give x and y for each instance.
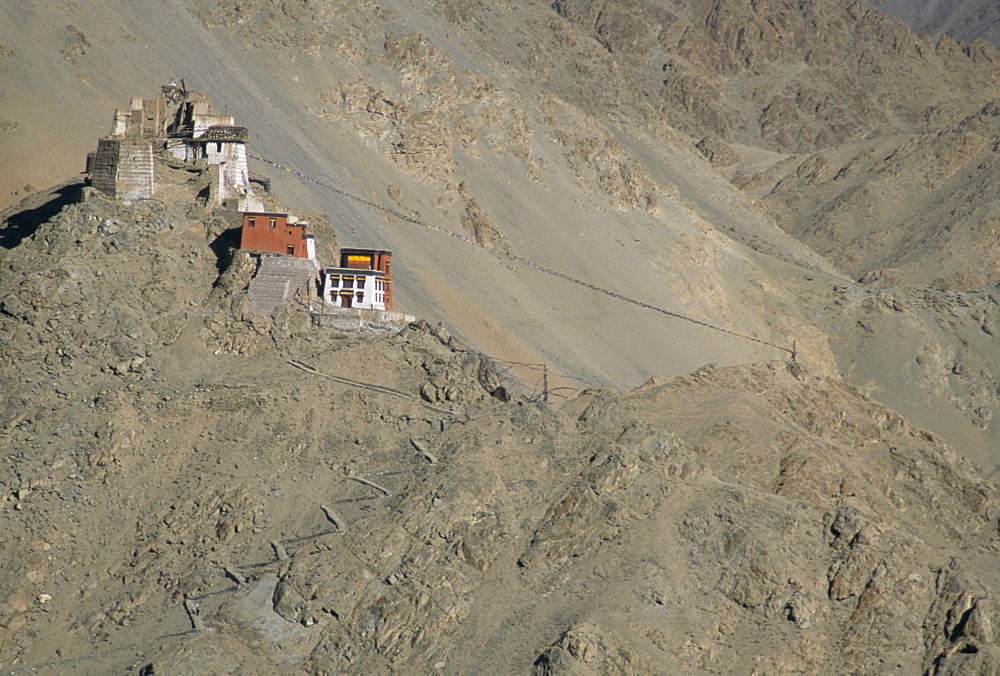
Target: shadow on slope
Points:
(22, 224)
(223, 247)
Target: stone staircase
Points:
(277, 280)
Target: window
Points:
(291, 249)
(361, 296)
(348, 282)
(273, 222)
(251, 222)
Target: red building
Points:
(370, 259)
(273, 233)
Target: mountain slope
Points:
(551, 218)
(966, 20)
(209, 490)
(811, 178)
(507, 118)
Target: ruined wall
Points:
(203, 121)
(190, 153)
(364, 321)
(232, 180)
(235, 168)
(123, 168)
(153, 113)
(183, 121)
(104, 168)
(135, 170)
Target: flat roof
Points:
(349, 251)
(353, 271)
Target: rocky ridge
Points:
(419, 500)
(966, 20)
(422, 508)
(880, 139)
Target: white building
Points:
(359, 289)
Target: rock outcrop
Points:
(192, 486)
(392, 501)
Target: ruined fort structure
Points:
(177, 128)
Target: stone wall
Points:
(123, 168)
(135, 170)
(364, 321)
(104, 167)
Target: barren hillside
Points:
(965, 20)
(191, 488)
(777, 458)
(654, 152)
